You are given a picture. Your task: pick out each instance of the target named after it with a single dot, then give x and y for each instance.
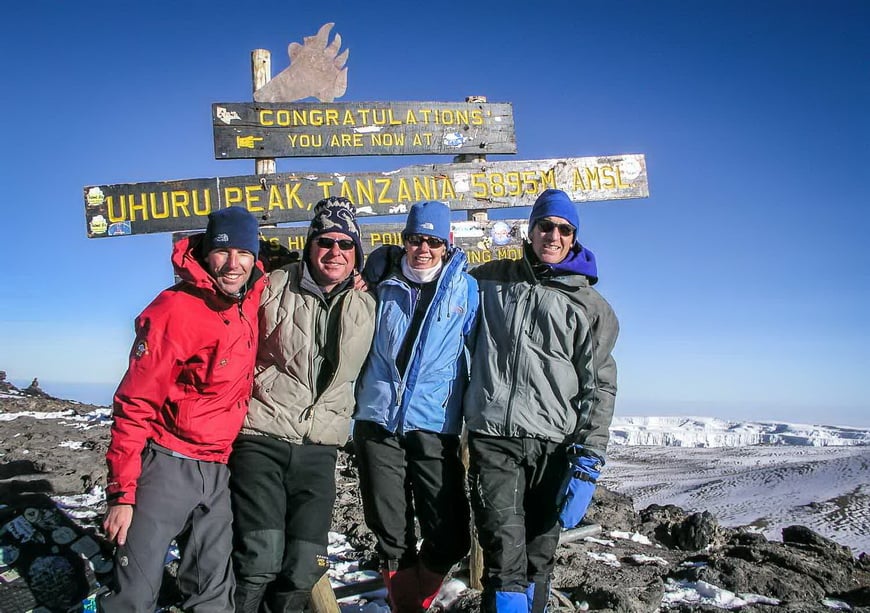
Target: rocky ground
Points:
(659, 558)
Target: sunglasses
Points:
(415, 240)
(345, 244)
(546, 226)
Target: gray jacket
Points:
(308, 343)
(542, 364)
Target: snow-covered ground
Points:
(768, 475)
(826, 489)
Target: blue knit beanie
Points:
(555, 203)
(335, 214)
(430, 218)
(232, 227)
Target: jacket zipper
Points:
(308, 412)
(403, 381)
(515, 358)
(518, 338)
(441, 290)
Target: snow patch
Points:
(635, 537)
(607, 558)
(703, 593)
(713, 432)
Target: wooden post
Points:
(475, 214)
(323, 598)
(261, 71)
(475, 556)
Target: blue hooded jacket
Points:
(429, 396)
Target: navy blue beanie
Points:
(232, 227)
(555, 203)
(430, 219)
(335, 214)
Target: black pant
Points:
(282, 497)
(514, 485)
(420, 474)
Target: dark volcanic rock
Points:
(347, 516)
(612, 511)
(790, 572)
(674, 527)
(61, 455)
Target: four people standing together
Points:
(521, 350)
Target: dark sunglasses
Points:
(345, 244)
(415, 240)
(546, 226)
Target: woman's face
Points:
(424, 251)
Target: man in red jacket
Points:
(176, 413)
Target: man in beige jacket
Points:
(315, 333)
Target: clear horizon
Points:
(100, 394)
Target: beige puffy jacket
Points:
(301, 333)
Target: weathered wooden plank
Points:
(323, 598)
(482, 241)
(171, 206)
(309, 129)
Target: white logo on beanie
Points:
(221, 238)
(428, 225)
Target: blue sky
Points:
(741, 283)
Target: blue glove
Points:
(578, 486)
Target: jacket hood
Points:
(190, 269)
(188, 265)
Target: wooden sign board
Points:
(482, 241)
(172, 206)
(309, 129)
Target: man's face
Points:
(549, 241)
(333, 257)
(424, 251)
(231, 268)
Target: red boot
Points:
(430, 584)
(403, 590)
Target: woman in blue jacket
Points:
(409, 407)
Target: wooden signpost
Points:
(276, 125)
(305, 129)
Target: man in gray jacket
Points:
(315, 333)
(540, 401)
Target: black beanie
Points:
(232, 227)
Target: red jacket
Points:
(190, 374)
